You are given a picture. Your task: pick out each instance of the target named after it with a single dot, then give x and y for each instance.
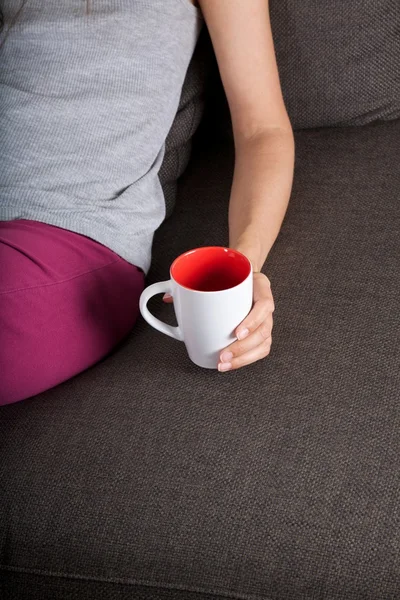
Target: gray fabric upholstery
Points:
(339, 62)
(149, 478)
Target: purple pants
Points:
(65, 302)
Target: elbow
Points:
(278, 136)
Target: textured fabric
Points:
(18, 586)
(65, 302)
(87, 103)
(339, 62)
(277, 482)
(191, 109)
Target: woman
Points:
(89, 92)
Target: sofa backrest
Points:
(339, 63)
(339, 60)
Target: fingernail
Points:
(224, 367)
(242, 334)
(226, 357)
(167, 296)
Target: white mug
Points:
(212, 289)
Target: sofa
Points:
(148, 478)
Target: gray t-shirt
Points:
(86, 103)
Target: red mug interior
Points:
(211, 269)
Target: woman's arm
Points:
(241, 34)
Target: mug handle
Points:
(158, 288)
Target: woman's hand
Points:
(254, 333)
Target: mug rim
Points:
(201, 248)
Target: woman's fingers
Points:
(263, 306)
(254, 333)
(256, 317)
(254, 347)
(256, 353)
(258, 337)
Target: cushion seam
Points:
(134, 582)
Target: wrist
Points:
(252, 252)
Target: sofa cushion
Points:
(191, 107)
(339, 62)
(146, 477)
